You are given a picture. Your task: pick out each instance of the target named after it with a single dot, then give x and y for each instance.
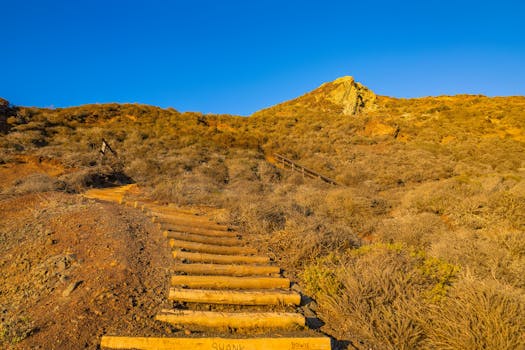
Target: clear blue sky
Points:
(240, 56)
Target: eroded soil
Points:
(74, 269)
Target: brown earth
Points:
(74, 269)
(23, 166)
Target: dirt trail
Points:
(74, 269)
(223, 293)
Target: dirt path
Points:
(224, 294)
(74, 269)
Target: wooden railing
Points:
(285, 162)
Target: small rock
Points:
(61, 265)
(71, 288)
(50, 241)
(296, 288)
(64, 278)
(313, 306)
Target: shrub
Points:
(36, 183)
(477, 315)
(15, 330)
(379, 293)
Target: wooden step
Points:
(220, 259)
(202, 232)
(152, 206)
(105, 197)
(230, 270)
(165, 225)
(234, 297)
(193, 237)
(210, 248)
(188, 221)
(229, 282)
(142, 205)
(232, 319)
(143, 343)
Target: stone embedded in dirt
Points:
(50, 241)
(71, 288)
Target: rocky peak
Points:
(352, 96)
(341, 96)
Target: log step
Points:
(220, 259)
(202, 232)
(193, 237)
(143, 343)
(165, 208)
(210, 248)
(234, 297)
(166, 225)
(104, 197)
(188, 221)
(229, 282)
(232, 319)
(230, 270)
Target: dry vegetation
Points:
(431, 220)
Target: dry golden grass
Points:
(442, 191)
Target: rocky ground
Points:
(73, 269)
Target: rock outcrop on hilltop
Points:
(351, 95)
(341, 96)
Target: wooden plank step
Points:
(197, 231)
(151, 205)
(108, 190)
(193, 229)
(193, 237)
(229, 282)
(184, 224)
(220, 259)
(229, 270)
(189, 221)
(210, 248)
(117, 199)
(232, 319)
(102, 194)
(140, 204)
(235, 297)
(143, 343)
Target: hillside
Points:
(341, 96)
(430, 218)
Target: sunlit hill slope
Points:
(429, 219)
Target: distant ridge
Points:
(341, 96)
